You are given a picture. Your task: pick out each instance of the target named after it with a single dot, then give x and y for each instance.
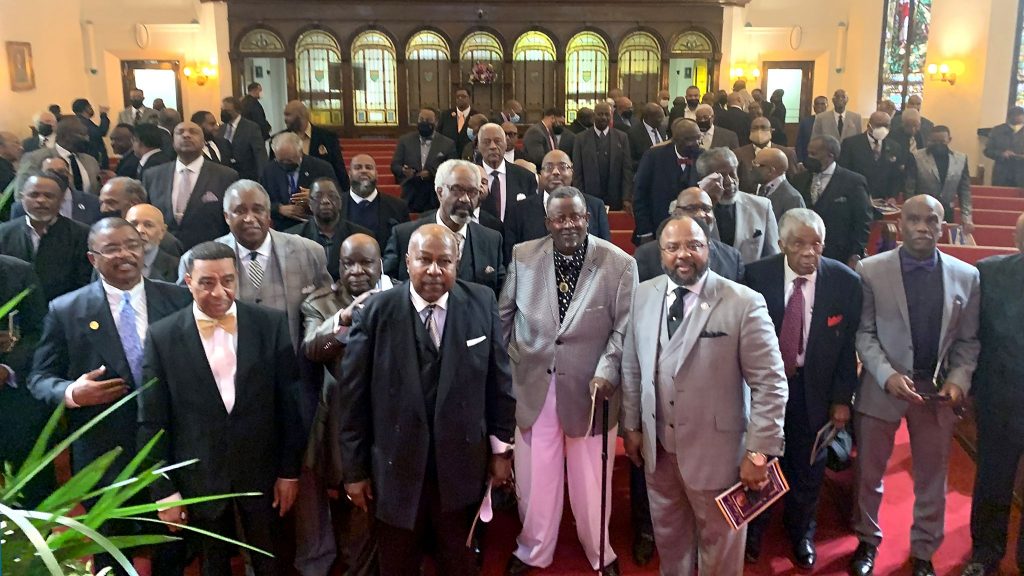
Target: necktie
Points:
(138, 116)
(431, 323)
(293, 183)
(221, 355)
(815, 188)
(551, 141)
(211, 152)
(76, 172)
(876, 148)
(840, 126)
(677, 311)
(496, 193)
(184, 192)
(791, 336)
(207, 325)
(130, 338)
(255, 270)
(229, 132)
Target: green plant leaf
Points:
(154, 507)
(7, 196)
(76, 551)
(20, 519)
(13, 302)
(90, 533)
(66, 496)
(191, 528)
(112, 498)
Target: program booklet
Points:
(740, 505)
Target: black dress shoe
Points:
(643, 549)
(978, 569)
(805, 554)
(753, 550)
(611, 569)
(922, 567)
(863, 561)
(517, 567)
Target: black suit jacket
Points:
(518, 181)
(204, 215)
(342, 230)
(162, 156)
(736, 120)
(723, 260)
(252, 110)
(31, 144)
(85, 208)
(846, 209)
(390, 213)
(226, 157)
(275, 180)
(165, 267)
(886, 176)
(448, 124)
(621, 123)
(248, 151)
(186, 404)
(999, 381)
(587, 171)
(386, 432)
(79, 335)
(803, 137)
(526, 222)
(830, 355)
(60, 262)
(659, 180)
(482, 261)
(128, 165)
(97, 148)
(324, 145)
(417, 192)
(640, 140)
(7, 173)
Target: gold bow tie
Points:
(206, 325)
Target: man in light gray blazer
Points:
(564, 311)
(839, 122)
(704, 399)
(919, 345)
(951, 182)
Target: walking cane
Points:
(604, 480)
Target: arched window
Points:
(586, 72)
(375, 100)
(427, 70)
(1017, 74)
(640, 66)
(318, 68)
(905, 45)
(260, 40)
(691, 63)
(480, 64)
(533, 79)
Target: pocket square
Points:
(839, 200)
(712, 334)
(209, 197)
(757, 233)
(474, 341)
(520, 196)
(834, 321)
(489, 270)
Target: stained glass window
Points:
(905, 37)
(1017, 82)
(427, 72)
(640, 66)
(318, 67)
(586, 72)
(375, 100)
(533, 46)
(480, 65)
(534, 74)
(260, 40)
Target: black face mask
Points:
(137, 104)
(723, 101)
(288, 166)
(938, 149)
(587, 123)
(627, 114)
(227, 116)
(44, 129)
(426, 129)
(110, 214)
(692, 104)
(558, 129)
(813, 165)
(704, 125)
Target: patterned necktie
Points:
(791, 336)
(815, 188)
(184, 192)
(229, 132)
(255, 270)
(677, 311)
(293, 183)
(431, 323)
(839, 124)
(138, 117)
(130, 338)
(76, 172)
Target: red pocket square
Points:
(834, 321)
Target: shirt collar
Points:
(909, 264)
(602, 132)
(463, 232)
(500, 168)
(28, 222)
(419, 303)
(263, 250)
(145, 157)
(359, 199)
(791, 275)
(234, 123)
(696, 288)
(308, 132)
(200, 315)
(64, 152)
(195, 166)
(150, 256)
(117, 294)
(775, 182)
(828, 171)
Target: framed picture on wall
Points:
(19, 62)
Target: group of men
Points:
(389, 379)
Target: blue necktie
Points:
(293, 182)
(130, 339)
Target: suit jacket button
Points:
(549, 370)
(671, 425)
(670, 403)
(558, 342)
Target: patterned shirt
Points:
(567, 272)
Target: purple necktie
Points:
(791, 337)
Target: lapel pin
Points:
(704, 306)
(94, 325)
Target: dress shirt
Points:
(305, 136)
(148, 258)
(501, 182)
(145, 157)
(510, 155)
(691, 114)
(840, 116)
(691, 301)
(262, 253)
(359, 199)
(34, 235)
(769, 187)
(67, 204)
(212, 345)
(47, 141)
(808, 292)
(211, 151)
(86, 179)
(602, 133)
(194, 167)
(653, 134)
(707, 137)
(462, 232)
(234, 128)
(425, 151)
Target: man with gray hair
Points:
(565, 361)
(743, 221)
(119, 194)
(288, 177)
(711, 134)
(816, 331)
(44, 124)
(74, 204)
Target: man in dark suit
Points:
(527, 219)
(10, 153)
(413, 457)
(248, 149)
(225, 383)
(760, 139)
(998, 398)
(454, 121)
(601, 159)
(167, 119)
(146, 145)
(316, 141)
(44, 123)
(91, 352)
(1005, 146)
(366, 206)
(190, 190)
(287, 179)
(908, 130)
(840, 197)
(647, 132)
(121, 143)
(584, 121)
(924, 126)
(326, 226)
(83, 110)
(735, 118)
(539, 139)
(512, 152)
(880, 160)
(157, 263)
(74, 204)
(507, 183)
(815, 304)
(712, 135)
(767, 176)
(663, 172)
(623, 114)
(803, 135)
(416, 158)
(55, 245)
(252, 110)
(215, 148)
(481, 258)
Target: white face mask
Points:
(880, 133)
(760, 137)
(664, 103)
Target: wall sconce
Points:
(749, 72)
(941, 72)
(199, 73)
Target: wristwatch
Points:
(757, 458)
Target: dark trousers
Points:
(639, 503)
(356, 538)
(25, 417)
(443, 532)
(801, 502)
(998, 455)
(252, 520)
(168, 559)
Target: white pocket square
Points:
(209, 197)
(475, 341)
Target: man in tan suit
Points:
(564, 310)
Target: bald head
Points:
(879, 119)
(476, 122)
(149, 221)
(10, 147)
(1019, 235)
(774, 159)
(622, 104)
(188, 141)
(168, 118)
(653, 114)
(296, 116)
(914, 102)
(735, 99)
(359, 265)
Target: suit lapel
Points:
(702, 310)
(895, 271)
(109, 340)
(775, 292)
(583, 286)
(205, 384)
(467, 270)
(453, 342)
(823, 291)
(547, 278)
(246, 354)
(950, 307)
(198, 190)
(742, 228)
(281, 255)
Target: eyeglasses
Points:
(562, 167)
(572, 220)
(459, 191)
(512, 134)
(111, 250)
(692, 247)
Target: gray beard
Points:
(363, 187)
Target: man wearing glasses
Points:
(564, 311)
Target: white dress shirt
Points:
(194, 168)
(359, 199)
(769, 187)
(145, 157)
(502, 201)
(653, 134)
(221, 350)
(462, 232)
(66, 155)
(262, 253)
(602, 133)
(691, 298)
(707, 137)
(808, 292)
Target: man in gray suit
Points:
(943, 174)
(768, 172)
(918, 341)
(72, 142)
(711, 134)
(602, 160)
(249, 153)
(138, 112)
(743, 221)
(714, 342)
(564, 311)
(840, 123)
(539, 139)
